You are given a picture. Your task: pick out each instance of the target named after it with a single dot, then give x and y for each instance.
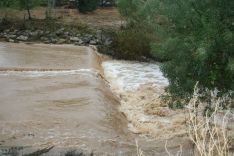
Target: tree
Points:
(198, 40)
(7, 3)
(6, 6)
(195, 37)
(28, 5)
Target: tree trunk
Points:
(28, 9)
(29, 14)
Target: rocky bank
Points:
(59, 36)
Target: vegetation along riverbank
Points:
(170, 64)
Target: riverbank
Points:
(137, 85)
(50, 32)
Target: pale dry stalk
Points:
(208, 135)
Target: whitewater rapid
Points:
(129, 76)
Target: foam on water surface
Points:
(47, 73)
(129, 76)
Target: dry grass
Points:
(207, 133)
(179, 153)
(139, 151)
(101, 18)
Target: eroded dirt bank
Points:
(54, 100)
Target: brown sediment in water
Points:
(149, 115)
(52, 96)
(141, 102)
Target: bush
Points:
(198, 40)
(85, 6)
(131, 44)
(134, 40)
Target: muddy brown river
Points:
(53, 101)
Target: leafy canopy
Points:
(198, 40)
(196, 37)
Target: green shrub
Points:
(196, 37)
(134, 40)
(131, 44)
(199, 43)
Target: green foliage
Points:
(8, 4)
(7, 8)
(196, 37)
(129, 9)
(85, 6)
(132, 44)
(199, 43)
(29, 4)
(134, 40)
(19, 4)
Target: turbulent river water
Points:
(54, 100)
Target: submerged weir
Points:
(54, 101)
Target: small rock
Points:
(15, 31)
(11, 36)
(22, 38)
(74, 39)
(88, 35)
(40, 32)
(107, 41)
(77, 43)
(11, 40)
(43, 38)
(35, 33)
(86, 39)
(60, 31)
(47, 42)
(81, 42)
(54, 40)
(66, 33)
(61, 41)
(92, 42)
(52, 35)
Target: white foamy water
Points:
(129, 76)
(47, 73)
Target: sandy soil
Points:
(100, 18)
